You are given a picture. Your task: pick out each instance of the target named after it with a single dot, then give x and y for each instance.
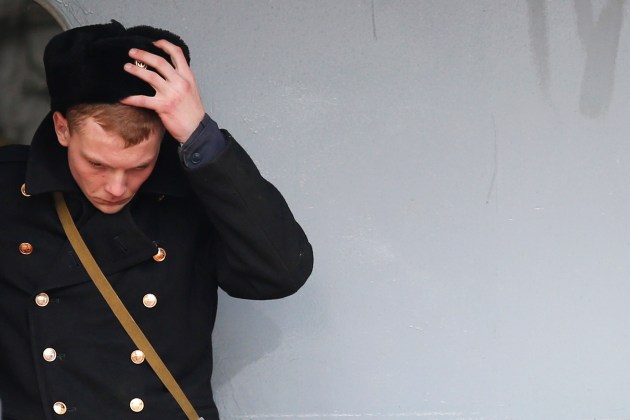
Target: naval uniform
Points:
(195, 225)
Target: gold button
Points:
(161, 255)
(23, 190)
(42, 299)
(149, 300)
(60, 408)
(50, 354)
(26, 248)
(136, 405)
(137, 356)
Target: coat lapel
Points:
(114, 240)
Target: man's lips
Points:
(112, 203)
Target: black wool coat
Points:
(221, 225)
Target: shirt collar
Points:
(47, 168)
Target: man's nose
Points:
(116, 185)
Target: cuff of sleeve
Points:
(204, 145)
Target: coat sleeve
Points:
(262, 252)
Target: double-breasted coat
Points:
(186, 233)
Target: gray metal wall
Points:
(462, 170)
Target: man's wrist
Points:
(203, 145)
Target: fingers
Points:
(161, 65)
(137, 101)
(164, 67)
(157, 81)
(175, 52)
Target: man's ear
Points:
(61, 128)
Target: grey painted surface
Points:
(462, 170)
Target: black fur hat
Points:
(85, 64)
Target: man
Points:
(171, 208)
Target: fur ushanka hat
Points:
(85, 64)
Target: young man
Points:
(170, 207)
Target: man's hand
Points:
(176, 100)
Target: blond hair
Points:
(132, 123)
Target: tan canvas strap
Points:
(119, 309)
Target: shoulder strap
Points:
(119, 309)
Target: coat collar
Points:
(47, 169)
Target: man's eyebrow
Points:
(92, 159)
(145, 163)
(99, 162)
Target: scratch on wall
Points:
(493, 181)
(374, 35)
(74, 10)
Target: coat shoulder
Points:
(14, 153)
(13, 160)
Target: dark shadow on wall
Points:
(25, 28)
(599, 35)
(600, 39)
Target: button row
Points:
(27, 249)
(149, 300)
(50, 355)
(136, 406)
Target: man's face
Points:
(108, 173)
